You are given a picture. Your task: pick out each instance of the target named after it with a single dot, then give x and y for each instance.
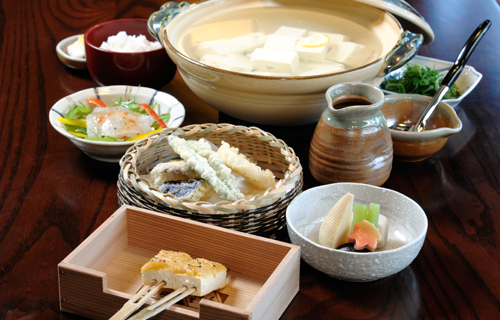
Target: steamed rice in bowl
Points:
(152, 68)
(122, 42)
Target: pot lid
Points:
(409, 18)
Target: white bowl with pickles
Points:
(341, 246)
(104, 122)
(393, 83)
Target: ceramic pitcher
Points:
(351, 142)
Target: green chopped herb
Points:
(418, 79)
(79, 111)
(104, 139)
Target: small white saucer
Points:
(62, 54)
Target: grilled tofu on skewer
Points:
(179, 269)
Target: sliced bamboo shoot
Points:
(337, 224)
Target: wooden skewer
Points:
(137, 300)
(165, 303)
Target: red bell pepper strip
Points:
(152, 113)
(96, 102)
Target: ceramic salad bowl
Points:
(113, 151)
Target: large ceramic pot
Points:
(276, 99)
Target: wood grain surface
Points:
(52, 196)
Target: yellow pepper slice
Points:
(143, 135)
(80, 123)
(78, 134)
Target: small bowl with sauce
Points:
(72, 61)
(417, 146)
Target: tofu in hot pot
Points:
(275, 60)
(250, 41)
(350, 53)
(217, 47)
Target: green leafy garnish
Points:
(79, 111)
(418, 79)
(104, 139)
(131, 105)
(165, 117)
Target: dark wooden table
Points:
(52, 196)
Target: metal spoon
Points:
(448, 80)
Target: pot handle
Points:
(404, 50)
(162, 17)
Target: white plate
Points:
(466, 82)
(113, 151)
(62, 54)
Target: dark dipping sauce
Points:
(349, 100)
(409, 112)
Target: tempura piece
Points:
(214, 160)
(263, 179)
(194, 189)
(202, 167)
(172, 170)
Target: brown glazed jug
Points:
(351, 142)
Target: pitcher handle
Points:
(405, 49)
(162, 17)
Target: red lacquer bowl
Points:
(149, 69)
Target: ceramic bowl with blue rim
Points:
(113, 151)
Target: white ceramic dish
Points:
(407, 230)
(113, 151)
(272, 98)
(466, 82)
(62, 54)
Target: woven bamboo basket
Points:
(263, 214)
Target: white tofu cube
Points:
(230, 63)
(283, 43)
(311, 53)
(315, 68)
(334, 37)
(217, 47)
(250, 41)
(291, 32)
(275, 61)
(350, 53)
(241, 58)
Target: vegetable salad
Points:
(125, 121)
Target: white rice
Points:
(125, 43)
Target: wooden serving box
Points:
(103, 272)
